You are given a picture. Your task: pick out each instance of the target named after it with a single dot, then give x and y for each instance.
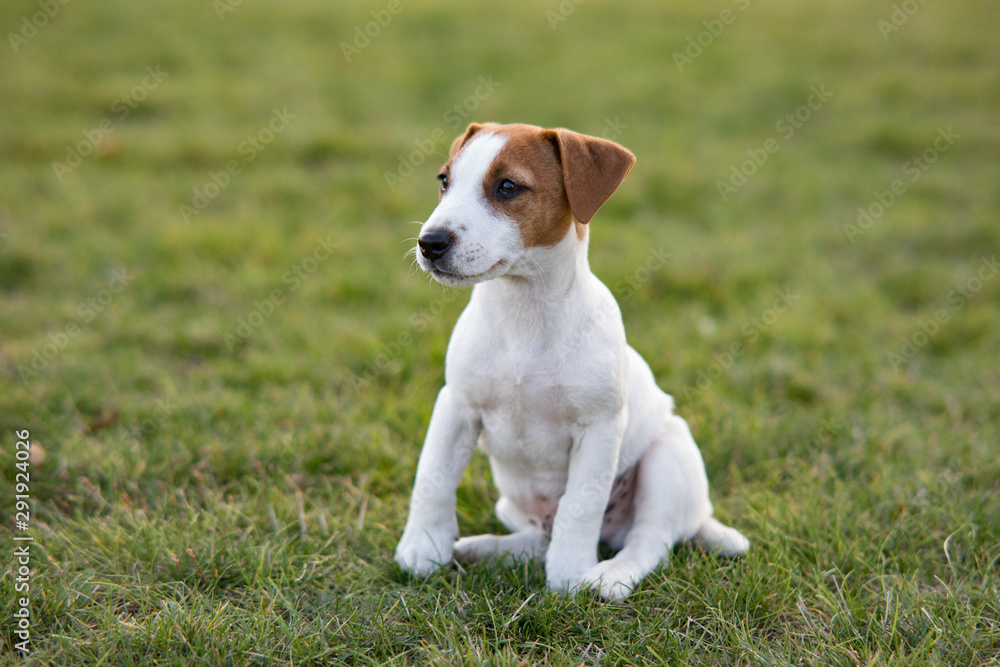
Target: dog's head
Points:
(507, 189)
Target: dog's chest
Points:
(536, 374)
(528, 400)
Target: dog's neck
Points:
(542, 284)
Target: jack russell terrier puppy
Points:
(583, 445)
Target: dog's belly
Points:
(537, 493)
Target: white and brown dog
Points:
(583, 445)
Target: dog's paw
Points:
(565, 574)
(512, 549)
(421, 554)
(479, 547)
(613, 579)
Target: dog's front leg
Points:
(431, 529)
(577, 526)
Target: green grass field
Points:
(226, 366)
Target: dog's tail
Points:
(717, 538)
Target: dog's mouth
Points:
(465, 279)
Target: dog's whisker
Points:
(541, 271)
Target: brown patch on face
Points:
(565, 177)
(530, 159)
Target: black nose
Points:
(433, 245)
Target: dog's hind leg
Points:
(510, 516)
(717, 538)
(527, 540)
(515, 548)
(671, 505)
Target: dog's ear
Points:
(463, 139)
(592, 169)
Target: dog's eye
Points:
(444, 181)
(508, 189)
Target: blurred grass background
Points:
(201, 495)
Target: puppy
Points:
(583, 445)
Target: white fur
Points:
(485, 242)
(539, 375)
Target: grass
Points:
(225, 436)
